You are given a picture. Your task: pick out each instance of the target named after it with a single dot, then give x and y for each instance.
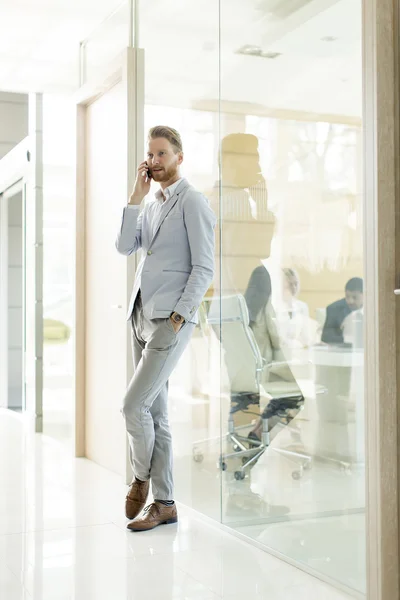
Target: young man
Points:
(176, 235)
(337, 312)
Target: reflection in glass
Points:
(292, 113)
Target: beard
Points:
(164, 174)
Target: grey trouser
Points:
(156, 350)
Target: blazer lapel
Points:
(170, 205)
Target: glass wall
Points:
(104, 44)
(267, 403)
(291, 216)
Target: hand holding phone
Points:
(142, 184)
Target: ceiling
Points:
(39, 41)
(318, 67)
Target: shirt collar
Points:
(168, 192)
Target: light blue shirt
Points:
(163, 198)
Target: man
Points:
(337, 312)
(176, 235)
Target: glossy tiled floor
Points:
(63, 537)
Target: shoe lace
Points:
(148, 509)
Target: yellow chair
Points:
(55, 332)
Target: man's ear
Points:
(180, 158)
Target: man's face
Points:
(162, 160)
(354, 300)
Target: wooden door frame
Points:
(381, 264)
(128, 68)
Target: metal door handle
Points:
(397, 292)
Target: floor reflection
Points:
(63, 535)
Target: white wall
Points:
(13, 120)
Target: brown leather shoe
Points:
(136, 498)
(154, 515)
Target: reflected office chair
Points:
(229, 318)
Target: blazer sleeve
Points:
(200, 224)
(129, 238)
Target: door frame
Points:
(381, 266)
(18, 186)
(23, 165)
(127, 68)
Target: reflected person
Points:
(293, 316)
(337, 312)
(261, 315)
(248, 225)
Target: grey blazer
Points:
(177, 264)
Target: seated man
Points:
(353, 329)
(337, 312)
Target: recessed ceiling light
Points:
(270, 55)
(329, 38)
(252, 50)
(249, 50)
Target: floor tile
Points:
(116, 579)
(65, 537)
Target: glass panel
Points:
(291, 210)
(104, 45)
(267, 404)
(181, 66)
(58, 266)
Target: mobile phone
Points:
(148, 172)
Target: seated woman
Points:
(261, 314)
(293, 317)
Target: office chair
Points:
(229, 319)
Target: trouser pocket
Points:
(171, 327)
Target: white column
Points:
(34, 265)
(3, 301)
(133, 77)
